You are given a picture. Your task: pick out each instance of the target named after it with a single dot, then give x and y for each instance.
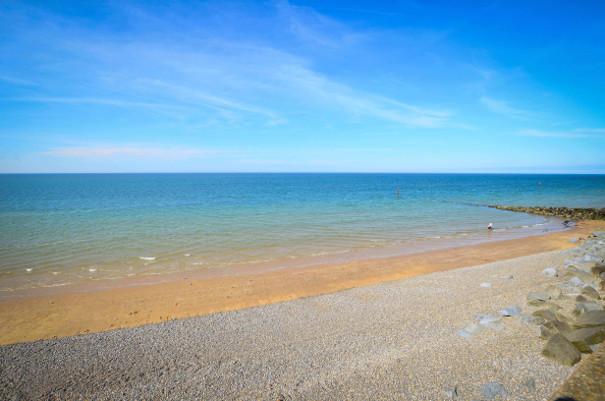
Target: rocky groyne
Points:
(570, 312)
(568, 213)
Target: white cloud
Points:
(335, 95)
(127, 151)
(573, 133)
(503, 107)
(16, 81)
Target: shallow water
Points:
(58, 230)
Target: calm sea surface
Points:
(57, 230)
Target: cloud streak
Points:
(577, 133)
(127, 151)
(209, 76)
(504, 108)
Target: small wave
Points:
(331, 252)
(187, 254)
(92, 270)
(54, 285)
(29, 269)
(147, 258)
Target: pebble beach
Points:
(465, 334)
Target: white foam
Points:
(29, 269)
(149, 258)
(187, 254)
(92, 270)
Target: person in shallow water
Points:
(490, 226)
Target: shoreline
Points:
(94, 282)
(400, 339)
(66, 314)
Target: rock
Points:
(581, 298)
(583, 307)
(547, 332)
(561, 350)
(492, 390)
(485, 285)
(590, 318)
(566, 213)
(590, 292)
(511, 311)
(576, 282)
(550, 272)
(583, 338)
(598, 269)
(537, 298)
(529, 319)
(470, 330)
(546, 314)
(490, 321)
(452, 393)
(554, 291)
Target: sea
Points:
(62, 230)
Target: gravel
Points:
(395, 340)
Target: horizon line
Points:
(299, 172)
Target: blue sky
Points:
(494, 86)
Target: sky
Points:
(313, 86)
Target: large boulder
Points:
(590, 292)
(590, 318)
(598, 269)
(561, 350)
(583, 307)
(583, 338)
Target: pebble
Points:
(492, 390)
(452, 393)
(485, 285)
(511, 311)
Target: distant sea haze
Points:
(65, 229)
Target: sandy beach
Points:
(400, 339)
(132, 303)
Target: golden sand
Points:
(135, 303)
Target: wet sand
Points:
(134, 303)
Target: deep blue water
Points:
(56, 229)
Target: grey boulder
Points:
(561, 350)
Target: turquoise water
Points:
(57, 230)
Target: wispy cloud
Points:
(16, 81)
(572, 134)
(90, 100)
(208, 75)
(127, 151)
(314, 28)
(195, 96)
(332, 94)
(503, 107)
